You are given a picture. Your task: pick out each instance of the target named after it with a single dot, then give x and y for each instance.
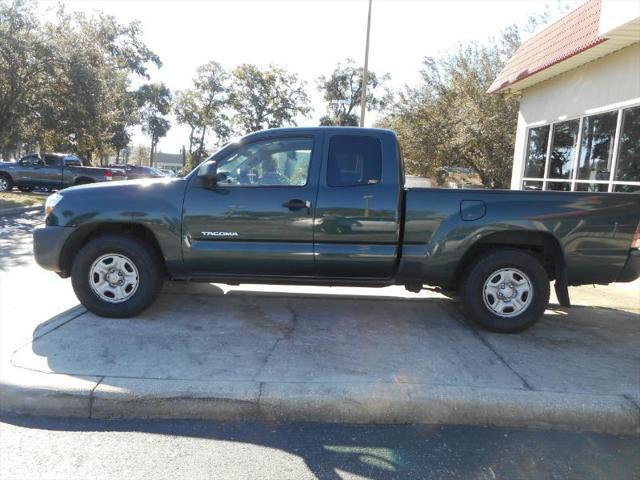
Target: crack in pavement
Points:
(92, 396)
(456, 315)
(631, 400)
(288, 333)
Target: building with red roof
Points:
(578, 81)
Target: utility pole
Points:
(365, 73)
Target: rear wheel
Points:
(6, 184)
(117, 276)
(506, 291)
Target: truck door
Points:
(258, 218)
(71, 165)
(29, 169)
(357, 223)
(50, 175)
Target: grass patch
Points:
(16, 198)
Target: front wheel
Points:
(6, 184)
(116, 276)
(506, 291)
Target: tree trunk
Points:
(191, 141)
(151, 152)
(201, 146)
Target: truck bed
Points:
(594, 230)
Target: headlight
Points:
(52, 201)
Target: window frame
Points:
(552, 134)
(359, 185)
(242, 146)
(71, 160)
(546, 180)
(32, 161)
(526, 152)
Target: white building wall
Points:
(607, 83)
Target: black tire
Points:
(484, 269)
(144, 257)
(6, 183)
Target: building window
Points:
(563, 149)
(531, 185)
(596, 150)
(536, 151)
(559, 186)
(595, 153)
(628, 164)
(626, 188)
(592, 187)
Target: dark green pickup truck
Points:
(328, 206)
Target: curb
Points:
(20, 210)
(33, 393)
(24, 391)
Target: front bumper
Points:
(48, 243)
(631, 269)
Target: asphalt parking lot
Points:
(326, 354)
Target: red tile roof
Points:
(572, 34)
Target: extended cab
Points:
(52, 171)
(329, 206)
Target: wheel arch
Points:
(85, 234)
(542, 245)
(83, 180)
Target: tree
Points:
(125, 116)
(187, 111)
(64, 84)
(202, 108)
(154, 100)
(139, 155)
(342, 91)
(450, 120)
(24, 62)
(89, 91)
(268, 98)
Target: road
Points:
(49, 449)
(57, 448)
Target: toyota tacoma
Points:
(329, 206)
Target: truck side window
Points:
(354, 160)
(72, 161)
(31, 161)
(268, 163)
(51, 160)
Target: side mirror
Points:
(208, 173)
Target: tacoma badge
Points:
(220, 234)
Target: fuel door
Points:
(472, 210)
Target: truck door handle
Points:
(297, 204)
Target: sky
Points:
(308, 37)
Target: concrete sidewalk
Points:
(330, 354)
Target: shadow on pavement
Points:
(397, 452)
(197, 332)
